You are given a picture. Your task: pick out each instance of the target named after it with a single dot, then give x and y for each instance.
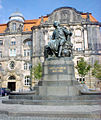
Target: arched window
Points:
(13, 41)
(78, 32)
(14, 26)
(11, 78)
(27, 80)
(27, 42)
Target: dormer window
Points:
(14, 26)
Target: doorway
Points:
(12, 86)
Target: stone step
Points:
(23, 93)
(37, 97)
(50, 115)
(52, 102)
(29, 97)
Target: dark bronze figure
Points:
(60, 44)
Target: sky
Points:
(33, 9)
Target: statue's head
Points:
(56, 24)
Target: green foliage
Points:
(96, 72)
(83, 67)
(37, 71)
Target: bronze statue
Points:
(60, 44)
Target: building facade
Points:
(22, 44)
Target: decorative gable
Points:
(65, 15)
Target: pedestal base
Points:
(58, 78)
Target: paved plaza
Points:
(43, 112)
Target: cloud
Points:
(1, 4)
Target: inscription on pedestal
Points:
(57, 69)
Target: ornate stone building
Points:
(22, 44)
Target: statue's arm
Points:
(67, 32)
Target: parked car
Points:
(4, 91)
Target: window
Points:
(80, 79)
(0, 53)
(77, 79)
(27, 66)
(79, 49)
(13, 42)
(14, 26)
(11, 78)
(12, 64)
(78, 32)
(28, 43)
(79, 46)
(27, 52)
(77, 62)
(12, 52)
(27, 80)
(30, 66)
(1, 42)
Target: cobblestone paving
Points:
(5, 117)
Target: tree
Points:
(82, 67)
(96, 72)
(37, 71)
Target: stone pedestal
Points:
(58, 78)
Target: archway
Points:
(11, 83)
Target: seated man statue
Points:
(60, 42)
